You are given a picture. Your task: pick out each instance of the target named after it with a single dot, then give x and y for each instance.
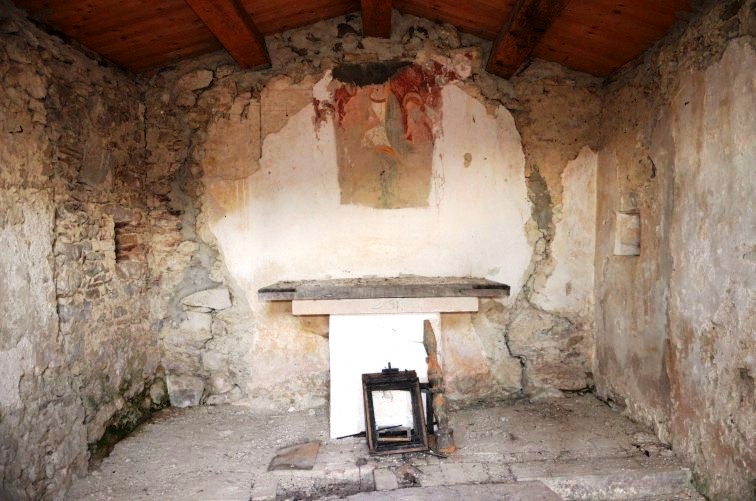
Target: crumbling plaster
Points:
(675, 325)
(257, 160)
(124, 201)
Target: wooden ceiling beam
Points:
(376, 18)
(528, 21)
(230, 23)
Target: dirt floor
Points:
(573, 447)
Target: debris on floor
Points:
(296, 457)
(573, 447)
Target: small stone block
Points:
(343, 473)
(195, 80)
(431, 476)
(184, 391)
(264, 488)
(385, 480)
(464, 473)
(367, 480)
(218, 298)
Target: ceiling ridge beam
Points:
(526, 24)
(376, 18)
(231, 24)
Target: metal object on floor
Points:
(394, 440)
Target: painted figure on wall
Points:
(385, 136)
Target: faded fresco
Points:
(385, 136)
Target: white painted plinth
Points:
(360, 344)
(383, 305)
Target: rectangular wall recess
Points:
(627, 234)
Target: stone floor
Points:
(573, 447)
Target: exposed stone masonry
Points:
(120, 169)
(203, 125)
(119, 297)
(77, 354)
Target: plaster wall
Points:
(291, 224)
(569, 288)
(675, 325)
(254, 157)
(712, 308)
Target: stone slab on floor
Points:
(385, 480)
(465, 473)
(607, 478)
(571, 427)
(521, 491)
(264, 488)
(176, 484)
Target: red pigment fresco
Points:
(322, 112)
(385, 136)
(415, 87)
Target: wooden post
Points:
(444, 434)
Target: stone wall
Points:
(140, 215)
(77, 357)
(249, 161)
(136, 198)
(675, 324)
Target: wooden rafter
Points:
(376, 18)
(525, 26)
(230, 23)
